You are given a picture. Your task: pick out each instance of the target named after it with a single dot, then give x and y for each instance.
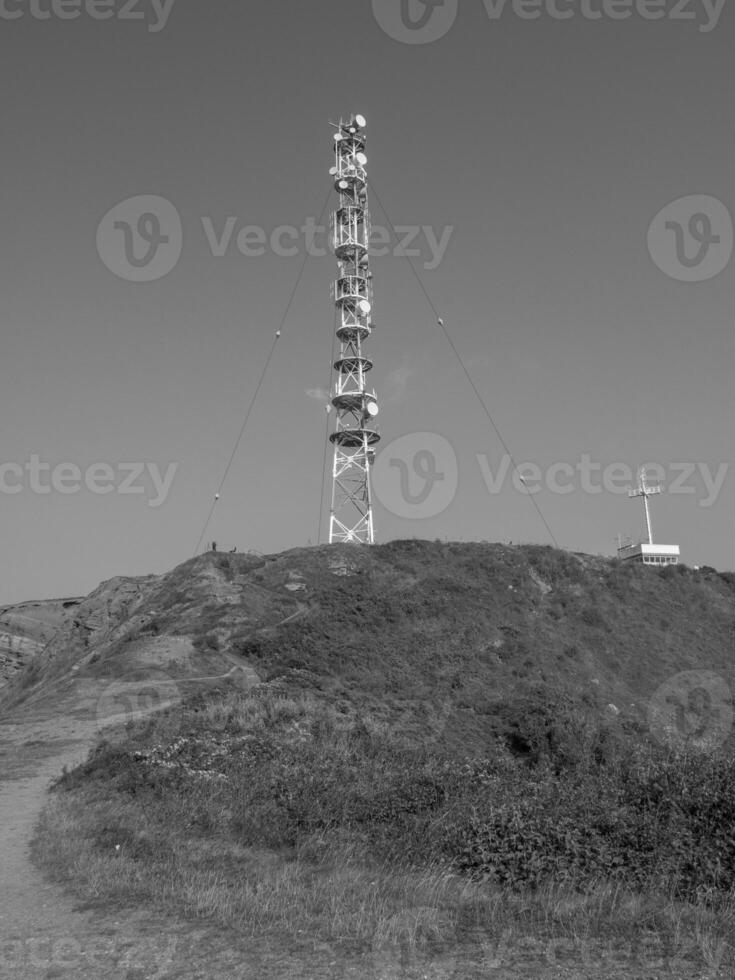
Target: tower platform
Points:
(650, 554)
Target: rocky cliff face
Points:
(27, 628)
(178, 626)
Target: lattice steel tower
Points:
(356, 433)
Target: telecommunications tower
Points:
(356, 433)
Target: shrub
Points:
(656, 819)
(586, 804)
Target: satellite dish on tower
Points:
(364, 306)
(360, 121)
(361, 159)
(372, 409)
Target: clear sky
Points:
(545, 147)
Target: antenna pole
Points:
(648, 518)
(351, 518)
(643, 490)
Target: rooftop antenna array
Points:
(356, 433)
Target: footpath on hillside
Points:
(46, 933)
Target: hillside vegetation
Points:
(414, 748)
(417, 633)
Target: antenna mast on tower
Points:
(643, 490)
(351, 518)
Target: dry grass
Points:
(18, 760)
(147, 846)
(333, 893)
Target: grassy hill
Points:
(415, 633)
(403, 748)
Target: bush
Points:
(657, 819)
(587, 806)
(361, 783)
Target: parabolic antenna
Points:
(338, 137)
(372, 409)
(360, 121)
(333, 171)
(361, 159)
(364, 306)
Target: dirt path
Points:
(45, 934)
(42, 933)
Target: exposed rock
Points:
(25, 629)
